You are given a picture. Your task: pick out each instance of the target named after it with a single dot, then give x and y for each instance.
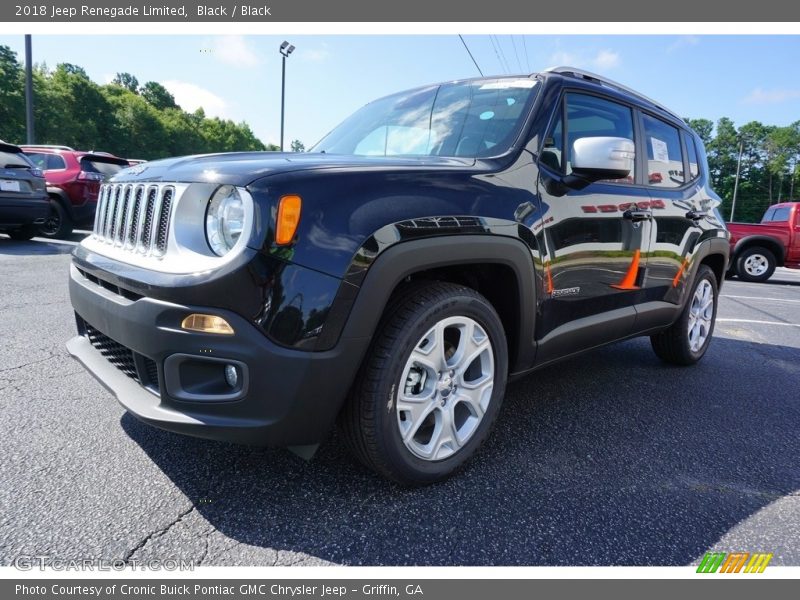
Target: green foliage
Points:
(298, 146)
(121, 117)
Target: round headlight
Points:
(224, 219)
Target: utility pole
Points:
(31, 138)
(736, 182)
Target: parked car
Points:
(436, 244)
(73, 183)
(23, 199)
(757, 248)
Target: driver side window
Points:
(592, 116)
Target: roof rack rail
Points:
(52, 146)
(564, 70)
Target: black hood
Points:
(242, 168)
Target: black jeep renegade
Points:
(435, 244)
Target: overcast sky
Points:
(328, 77)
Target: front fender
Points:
(357, 310)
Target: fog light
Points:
(231, 375)
(207, 324)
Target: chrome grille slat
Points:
(122, 215)
(112, 212)
(136, 217)
(133, 217)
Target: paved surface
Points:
(608, 459)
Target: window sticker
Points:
(660, 152)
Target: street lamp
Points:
(286, 49)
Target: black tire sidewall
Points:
(745, 254)
(65, 224)
(403, 461)
(705, 273)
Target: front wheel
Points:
(686, 340)
(431, 386)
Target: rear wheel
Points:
(687, 340)
(58, 223)
(431, 385)
(755, 264)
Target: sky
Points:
(329, 76)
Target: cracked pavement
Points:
(609, 458)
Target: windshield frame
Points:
(519, 131)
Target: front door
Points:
(594, 240)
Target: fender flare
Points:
(60, 196)
(364, 305)
(771, 244)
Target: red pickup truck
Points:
(756, 249)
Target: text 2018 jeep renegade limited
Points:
(436, 243)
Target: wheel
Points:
(755, 264)
(23, 234)
(58, 223)
(686, 341)
(429, 390)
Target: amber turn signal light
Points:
(207, 324)
(288, 219)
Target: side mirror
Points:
(596, 158)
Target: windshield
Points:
(469, 119)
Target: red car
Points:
(73, 184)
(757, 248)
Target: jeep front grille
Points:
(135, 217)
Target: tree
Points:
(128, 81)
(298, 146)
(157, 95)
(12, 97)
(702, 127)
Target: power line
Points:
(527, 60)
(470, 54)
(496, 53)
(502, 53)
(514, 44)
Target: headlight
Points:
(224, 219)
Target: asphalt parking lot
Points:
(612, 458)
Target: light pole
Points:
(286, 49)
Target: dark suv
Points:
(73, 184)
(23, 201)
(435, 244)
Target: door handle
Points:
(696, 215)
(637, 215)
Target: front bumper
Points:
(289, 397)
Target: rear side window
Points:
(691, 151)
(107, 169)
(591, 116)
(664, 157)
(780, 214)
(13, 159)
(55, 162)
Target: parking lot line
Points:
(758, 322)
(761, 298)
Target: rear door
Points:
(594, 241)
(672, 175)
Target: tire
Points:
(755, 264)
(23, 234)
(58, 224)
(686, 341)
(409, 440)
